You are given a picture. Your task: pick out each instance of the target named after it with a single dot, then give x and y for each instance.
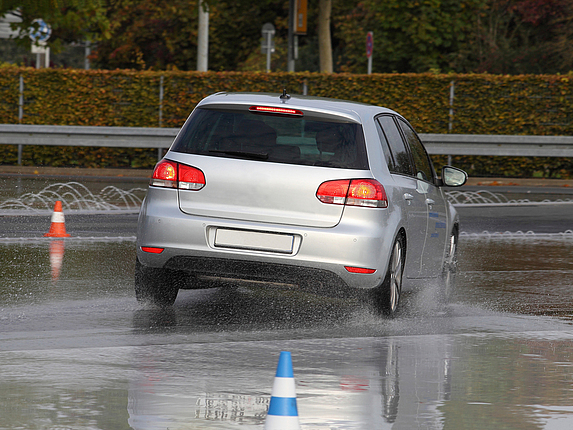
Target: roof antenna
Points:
(284, 96)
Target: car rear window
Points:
(307, 140)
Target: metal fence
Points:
(161, 138)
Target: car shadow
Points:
(247, 308)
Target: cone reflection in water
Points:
(58, 226)
(283, 412)
(56, 257)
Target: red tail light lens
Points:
(190, 178)
(276, 110)
(355, 192)
(333, 192)
(360, 270)
(367, 192)
(165, 174)
(169, 174)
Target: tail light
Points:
(276, 110)
(356, 192)
(361, 270)
(169, 174)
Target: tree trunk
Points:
(324, 42)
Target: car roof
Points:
(354, 111)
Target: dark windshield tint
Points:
(281, 139)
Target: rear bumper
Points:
(213, 272)
(363, 239)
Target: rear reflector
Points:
(152, 250)
(276, 110)
(355, 192)
(169, 174)
(360, 270)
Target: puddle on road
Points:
(522, 275)
(64, 270)
(487, 381)
(77, 352)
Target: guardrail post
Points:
(451, 119)
(452, 94)
(20, 116)
(159, 150)
(161, 101)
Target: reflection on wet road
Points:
(80, 353)
(77, 351)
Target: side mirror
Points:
(453, 177)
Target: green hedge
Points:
(483, 104)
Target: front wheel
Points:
(387, 296)
(157, 286)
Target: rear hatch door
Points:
(268, 167)
(256, 191)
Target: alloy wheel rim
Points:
(395, 276)
(451, 261)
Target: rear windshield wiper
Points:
(243, 154)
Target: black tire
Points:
(450, 269)
(156, 286)
(387, 295)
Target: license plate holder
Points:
(254, 240)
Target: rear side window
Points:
(307, 140)
(421, 159)
(401, 158)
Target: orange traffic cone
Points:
(58, 226)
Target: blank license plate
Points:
(241, 239)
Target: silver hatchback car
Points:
(325, 195)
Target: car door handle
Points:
(408, 197)
(430, 202)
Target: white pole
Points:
(269, 36)
(452, 95)
(371, 38)
(290, 56)
(87, 52)
(21, 101)
(203, 37)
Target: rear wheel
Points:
(450, 267)
(156, 286)
(387, 296)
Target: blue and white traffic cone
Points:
(283, 413)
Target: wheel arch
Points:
(400, 234)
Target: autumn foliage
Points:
(482, 104)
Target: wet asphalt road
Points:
(537, 218)
(77, 351)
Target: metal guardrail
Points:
(161, 138)
(498, 145)
(72, 135)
